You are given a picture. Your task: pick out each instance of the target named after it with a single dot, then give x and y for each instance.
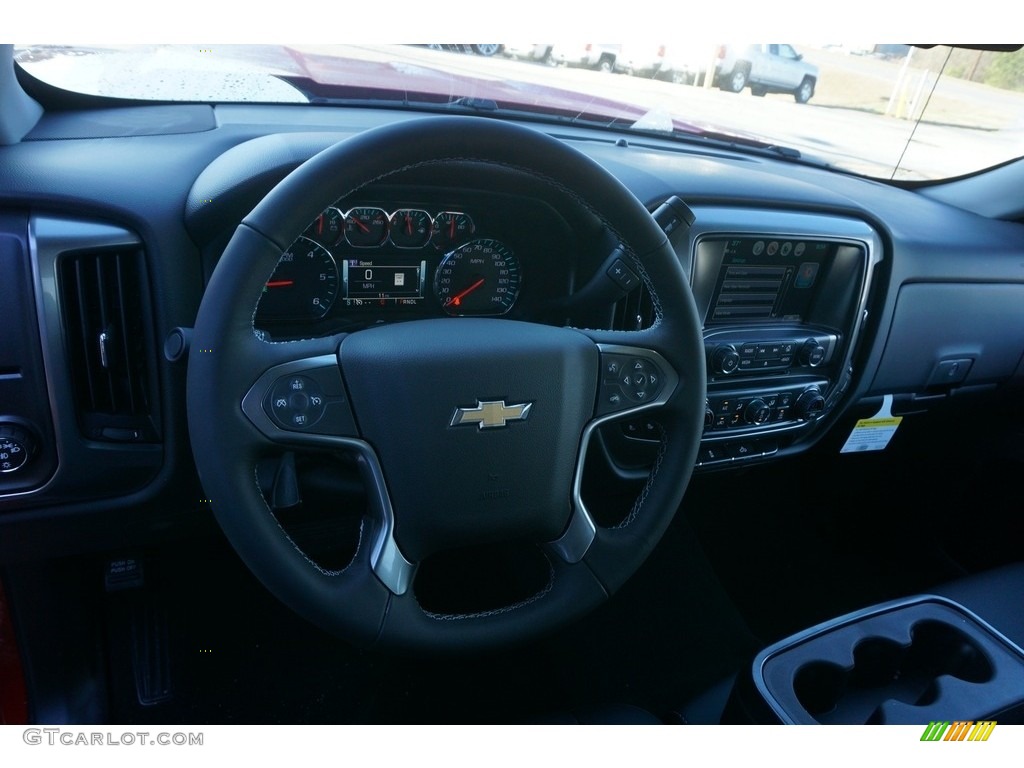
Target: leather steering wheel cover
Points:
(352, 603)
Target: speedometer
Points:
(479, 278)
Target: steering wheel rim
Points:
(232, 369)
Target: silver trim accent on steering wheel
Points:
(581, 531)
(386, 559)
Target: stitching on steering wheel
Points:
(298, 549)
(650, 480)
(495, 611)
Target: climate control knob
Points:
(809, 404)
(725, 359)
(757, 412)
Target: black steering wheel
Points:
(466, 431)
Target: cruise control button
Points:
(296, 402)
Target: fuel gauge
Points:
(327, 228)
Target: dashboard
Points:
(818, 296)
(816, 290)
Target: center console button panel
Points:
(782, 297)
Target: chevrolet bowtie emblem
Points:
(492, 413)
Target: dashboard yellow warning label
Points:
(873, 434)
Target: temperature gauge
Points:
(366, 227)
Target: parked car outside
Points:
(601, 56)
(641, 59)
(530, 51)
(765, 68)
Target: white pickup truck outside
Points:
(765, 68)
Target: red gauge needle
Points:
(320, 224)
(360, 224)
(408, 224)
(458, 297)
(451, 229)
(280, 283)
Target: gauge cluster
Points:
(377, 261)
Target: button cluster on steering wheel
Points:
(627, 381)
(302, 398)
(297, 402)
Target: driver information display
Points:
(382, 281)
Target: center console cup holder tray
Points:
(909, 662)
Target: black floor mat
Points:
(238, 656)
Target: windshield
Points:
(886, 111)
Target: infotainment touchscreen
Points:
(762, 279)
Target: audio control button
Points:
(725, 360)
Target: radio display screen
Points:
(763, 279)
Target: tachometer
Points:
(479, 278)
(304, 285)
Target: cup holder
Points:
(884, 669)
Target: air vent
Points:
(108, 344)
(634, 311)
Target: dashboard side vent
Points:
(634, 311)
(105, 310)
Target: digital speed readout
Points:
(383, 281)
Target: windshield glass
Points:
(886, 111)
